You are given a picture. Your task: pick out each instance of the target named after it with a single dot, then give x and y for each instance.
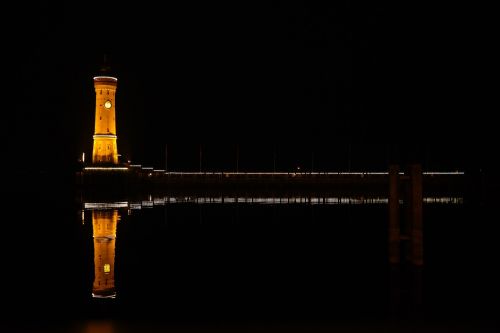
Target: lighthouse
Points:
(104, 231)
(105, 150)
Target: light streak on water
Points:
(161, 201)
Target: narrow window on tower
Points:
(107, 91)
(100, 92)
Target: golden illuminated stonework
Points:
(105, 150)
(104, 230)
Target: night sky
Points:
(353, 85)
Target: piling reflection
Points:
(405, 239)
(104, 224)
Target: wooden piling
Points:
(394, 227)
(405, 230)
(416, 203)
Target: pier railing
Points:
(136, 178)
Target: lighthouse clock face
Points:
(107, 104)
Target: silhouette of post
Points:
(200, 158)
(405, 238)
(416, 236)
(395, 290)
(237, 158)
(166, 157)
(394, 227)
(349, 158)
(274, 158)
(312, 161)
(408, 226)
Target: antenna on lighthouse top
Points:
(105, 68)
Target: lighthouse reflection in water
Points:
(246, 257)
(104, 233)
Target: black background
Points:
(355, 84)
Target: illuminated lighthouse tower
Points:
(105, 149)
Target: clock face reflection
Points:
(107, 104)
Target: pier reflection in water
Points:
(177, 259)
(350, 236)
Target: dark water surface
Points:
(242, 266)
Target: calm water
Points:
(147, 266)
